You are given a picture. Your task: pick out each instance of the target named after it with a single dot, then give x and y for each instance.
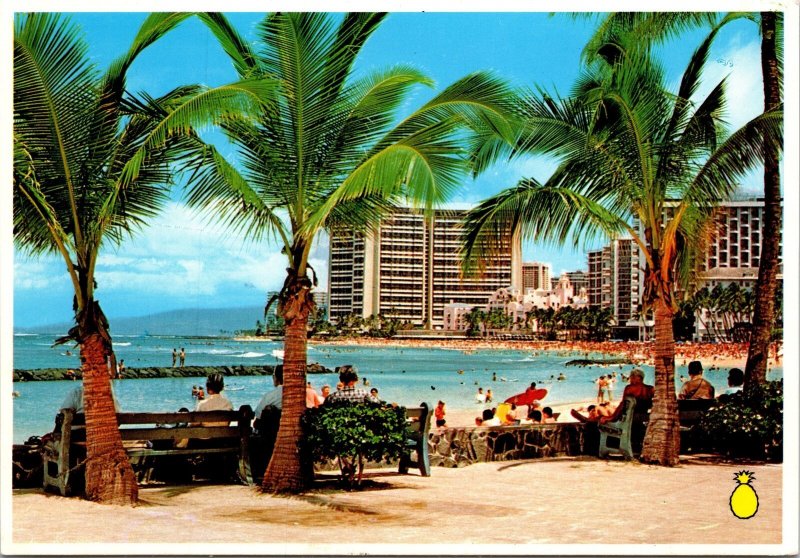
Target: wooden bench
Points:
(420, 424)
(690, 412)
(146, 436)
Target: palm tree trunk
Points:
(662, 440)
(109, 476)
(288, 470)
(755, 372)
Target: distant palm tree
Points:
(91, 164)
(630, 149)
(333, 156)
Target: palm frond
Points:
(197, 111)
(543, 213)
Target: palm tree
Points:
(329, 158)
(631, 150)
(657, 26)
(476, 318)
(92, 164)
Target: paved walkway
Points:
(487, 506)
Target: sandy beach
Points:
(493, 508)
(721, 355)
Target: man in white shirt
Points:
(273, 398)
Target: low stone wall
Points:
(459, 447)
(46, 374)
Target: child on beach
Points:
(439, 413)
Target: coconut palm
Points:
(634, 159)
(91, 164)
(657, 26)
(330, 158)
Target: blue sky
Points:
(179, 261)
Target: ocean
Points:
(403, 375)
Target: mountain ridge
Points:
(215, 322)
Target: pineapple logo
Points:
(744, 500)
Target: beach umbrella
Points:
(527, 397)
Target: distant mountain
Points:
(191, 322)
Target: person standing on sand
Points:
(183, 356)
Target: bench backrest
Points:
(420, 418)
(690, 411)
(628, 410)
(170, 426)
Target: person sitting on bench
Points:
(636, 388)
(697, 387)
(274, 397)
(348, 375)
(735, 382)
(215, 400)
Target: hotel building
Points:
(536, 275)
(614, 279)
(408, 268)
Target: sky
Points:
(181, 261)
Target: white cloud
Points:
(43, 273)
(738, 61)
(180, 255)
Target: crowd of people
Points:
(640, 352)
(349, 390)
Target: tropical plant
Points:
(634, 159)
(354, 434)
(753, 428)
(655, 27)
(92, 164)
(330, 158)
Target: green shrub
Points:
(736, 427)
(354, 434)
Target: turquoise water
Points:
(403, 375)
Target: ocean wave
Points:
(217, 352)
(26, 335)
(121, 344)
(251, 355)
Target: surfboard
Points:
(527, 396)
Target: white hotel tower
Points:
(409, 269)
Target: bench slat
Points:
(179, 433)
(79, 419)
(147, 452)
(175, 418)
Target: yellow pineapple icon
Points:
(744, 500)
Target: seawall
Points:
(48, 374)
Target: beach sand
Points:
(491, 507)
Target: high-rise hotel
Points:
(408, 268)
(616, 278)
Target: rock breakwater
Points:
(49, 374)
